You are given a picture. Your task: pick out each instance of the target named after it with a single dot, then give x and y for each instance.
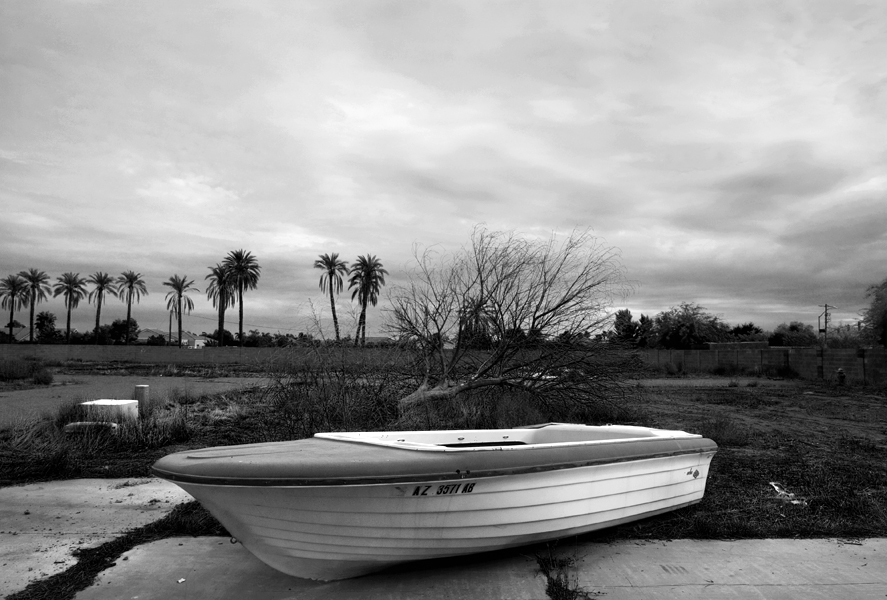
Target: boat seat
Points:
(483, 444)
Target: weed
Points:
(183, 397)
(67, 412)
(156, 404)
(33, 450)
(560, 583)
(725, 431)
(156, 431)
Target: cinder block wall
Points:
(860, 366)
(875, 364)
(141, 354)
(260, 358)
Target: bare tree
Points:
(511, 311)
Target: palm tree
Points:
(244, 271)
(333, 270)
(104, 284)
(130, 286)
(176, 298)
(221, 291)
(73, 288)
(13, 295)
(367, 279)
(38, 288)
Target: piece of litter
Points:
(787, 496)
(181, 580)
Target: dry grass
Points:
(825, 445)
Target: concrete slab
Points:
(205, 568)
(41, 524)
(766, 569)
(212, 568)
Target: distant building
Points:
(19, 334)
(193, 341)
(189, 340)
(144, 334)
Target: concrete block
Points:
(111, 410)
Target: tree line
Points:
(227, 282)
(443, 313)
(689, 325)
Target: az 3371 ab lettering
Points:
(443, 490)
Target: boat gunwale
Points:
(417, 478)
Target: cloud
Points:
(733, 151)
(189, 191)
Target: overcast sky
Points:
(733, 151)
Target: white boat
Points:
(341, 505)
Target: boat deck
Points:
(395, 457)
(548, 434)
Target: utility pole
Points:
(823, 323)
(823, 329)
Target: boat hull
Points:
(330, 532)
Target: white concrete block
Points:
(108, 410)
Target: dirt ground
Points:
(790, 408)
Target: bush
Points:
(42, 377)
(318, 398)
(156, 340)
(14, 369)
(674, 369)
